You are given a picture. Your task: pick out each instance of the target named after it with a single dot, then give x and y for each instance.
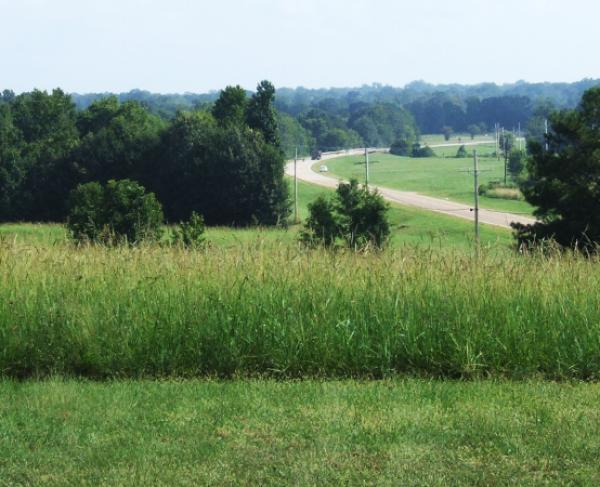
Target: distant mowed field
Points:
(444, 176)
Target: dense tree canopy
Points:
(226, 163)
(44, 136)
(116, 139)
(228, 174)
(230, 107)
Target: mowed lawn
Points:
(437, 139)
(396, 432)
(443, 176)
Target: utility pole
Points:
(546, 132)
(497, 139)
(476, 196)
(366, 166)
(505, 160)
(296, 186)
(475, 208)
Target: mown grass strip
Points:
(410, 432)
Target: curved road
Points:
(407, 198)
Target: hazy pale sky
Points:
(197, 46)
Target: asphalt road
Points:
(407, 198)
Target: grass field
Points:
(437, 139)
(254, 307)
(276, 309)
(410, 227)
(443, 177)
(398, 432)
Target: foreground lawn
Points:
(443, 177)
(397, 432)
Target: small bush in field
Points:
(355, 215)
(119, 212)
(191, 233)
(424, 151)
(461, 153)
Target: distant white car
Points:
(323, 168)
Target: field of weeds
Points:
(274, 309)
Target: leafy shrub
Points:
(191, 233)
(354, 215)
(496, 189)
(401, 148)
(424, 151)
(516, 164)
(462, 152)
(119, 212)
(86, 215)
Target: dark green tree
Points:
(564, 182)
(422, 151)
(516, 164)
(229, 174)
(260, 112)
(473, 130)
(401, 147)
(462, 152)
(381, 124)
(322, 226)
(116, 140)
(230, 107)
(447, 132)
(11, 169)
(355, 215)
(46, 124)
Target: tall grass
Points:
(277, 310)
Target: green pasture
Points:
(442, 177)
(388, 433)
(410, 227)
(437, 139)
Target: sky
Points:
(169, 46)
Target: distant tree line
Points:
(377, 115)
(224, 162)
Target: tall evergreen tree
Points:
(564, 181)
(260, 113)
